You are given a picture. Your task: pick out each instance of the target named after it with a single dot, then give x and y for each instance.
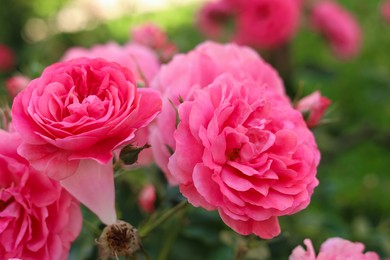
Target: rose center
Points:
(233, 154)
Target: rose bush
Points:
(38, 219)
(179, 79)
(333, 248)
(73, 117)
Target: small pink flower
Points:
(146, 198)
(179, 80)
(213, 16)
(73, 117)
(315, 106)
(385, 10)
(141, 60)
(7, 58)
(149, 35)
(339, 27)
(38, 219)
(154, 37)
(243, 150)
(266, 23)
(16, 84)
(333, 248)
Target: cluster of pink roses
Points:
(224, 131)
(268, 24)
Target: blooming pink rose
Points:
(146, 198)
(385, 10)
(71, 120)
(154, 37)
(16, 84)
(338, 26)
(243, 150)
(315, 106)
(213, 16)
(266, 23)
(38, 219)
(178, 81)
(7, 58)
(333, 249)
(141, 60)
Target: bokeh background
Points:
(353, 198)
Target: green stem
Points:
(174, 231)
(145, 230)
(92, 228)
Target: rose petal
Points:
(93, 185)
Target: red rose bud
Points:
(314, 105)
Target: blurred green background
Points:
(353, 198)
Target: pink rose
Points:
(179, 79)
(71, 120)
(7, 58)
(146, 198)
(141, 60)
(16, 84)
(152, 36)
(314, 105)
(333, 248)
(243, 150)
(213, 16)
(149, 35)
(266, 23)
(38, 219)
(385, 10)
(339, 27)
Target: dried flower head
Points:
(119, 239)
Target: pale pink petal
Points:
(93, 185)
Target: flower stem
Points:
(92, 228)
(147, 228)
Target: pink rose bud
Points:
(16, 84)
(7, 58)
(152, 36)
(149, 35)
(385, 10)
(339, 27)
(146, 198)
(314, 105)
(333, 248)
